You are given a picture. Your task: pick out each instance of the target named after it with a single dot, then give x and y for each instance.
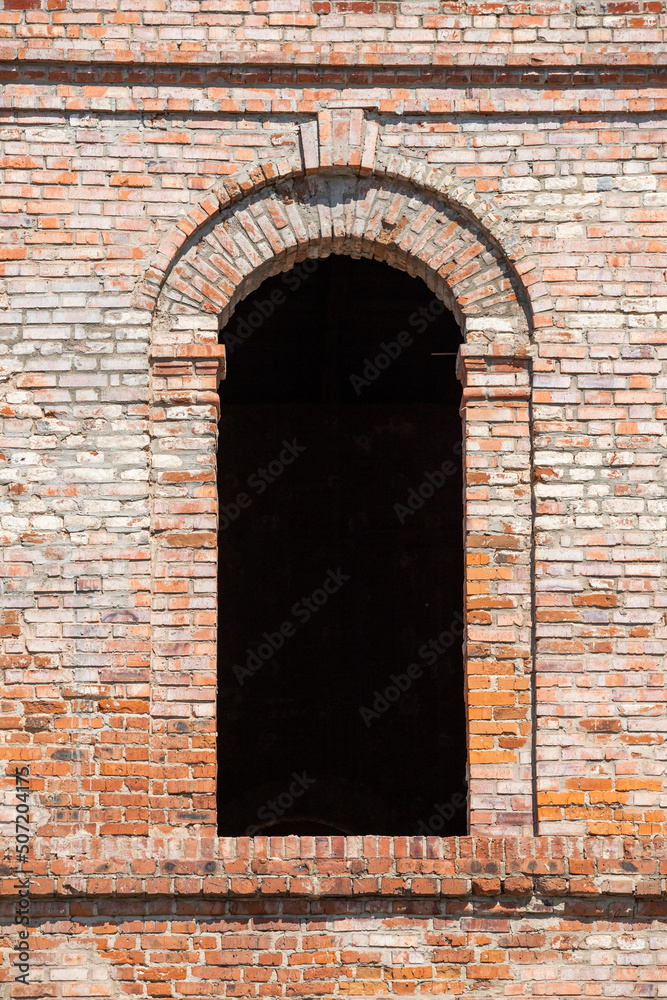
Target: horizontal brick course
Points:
(318, 866)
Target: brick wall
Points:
(347, 32)
(366, 949)
(147, 184)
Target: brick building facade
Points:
(159, 161)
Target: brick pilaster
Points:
(184, 414)
(498, 645)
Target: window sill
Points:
(317, 867)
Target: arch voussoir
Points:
(266, 228)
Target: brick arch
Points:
(430, 181)
(231, 252)
(192, 291)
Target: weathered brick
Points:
(152, 162)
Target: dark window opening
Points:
(340, 673)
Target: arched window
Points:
(200, 284)
(340, 674)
